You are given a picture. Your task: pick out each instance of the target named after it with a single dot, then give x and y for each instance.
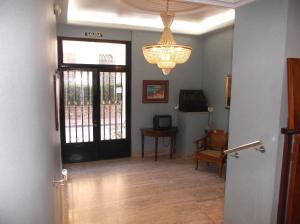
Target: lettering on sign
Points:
(93, 34)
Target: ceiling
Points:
(192, 16)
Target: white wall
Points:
(186, 76)
(29, 145)
(217, 63)
(258, 76)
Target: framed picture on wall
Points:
(228, 91)
(155, 91)
(56, 87)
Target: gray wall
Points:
(29, 145)
(217, 63)
(186, 76)
(293, 30)
(78, 31)
(259, 60)
(292, 51)
(191, 126)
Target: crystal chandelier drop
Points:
(167, 53)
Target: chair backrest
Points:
(217, 139)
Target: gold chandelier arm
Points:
(167, 37)
(167, 6)
(167, 18)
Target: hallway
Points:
(135, 191)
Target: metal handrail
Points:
(246, 146)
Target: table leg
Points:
(143, 141)
(171, 147)
(156, 147)
(174, 146)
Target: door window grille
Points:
(78, 98)
(112, 105)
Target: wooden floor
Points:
(141, 192)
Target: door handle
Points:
(96, 125)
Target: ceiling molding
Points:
(126, 18)
(245, 2)
(224, 3)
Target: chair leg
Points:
(196, 164)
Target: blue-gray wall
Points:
(217, 63)
(29, 144)
(185, 76)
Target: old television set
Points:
(192, 101)
(162, 122)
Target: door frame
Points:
(96, 69)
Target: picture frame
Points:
(155, 91)
(56, 91)
(228, 91)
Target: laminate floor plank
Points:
(135, 191)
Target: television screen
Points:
(164, 122)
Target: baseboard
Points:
(161, 153)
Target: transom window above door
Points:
(96, 53)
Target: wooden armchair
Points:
(210, 149)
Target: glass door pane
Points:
(78, 108)
(112, 105)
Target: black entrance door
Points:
(95, 100)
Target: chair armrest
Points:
(200, 149)
(200, 142)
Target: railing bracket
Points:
(235, 155)
(261, 149)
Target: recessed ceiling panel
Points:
(225, 3)
(192, 16)
(157, 6)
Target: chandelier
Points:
(167, 53)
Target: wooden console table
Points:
(171, 133)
